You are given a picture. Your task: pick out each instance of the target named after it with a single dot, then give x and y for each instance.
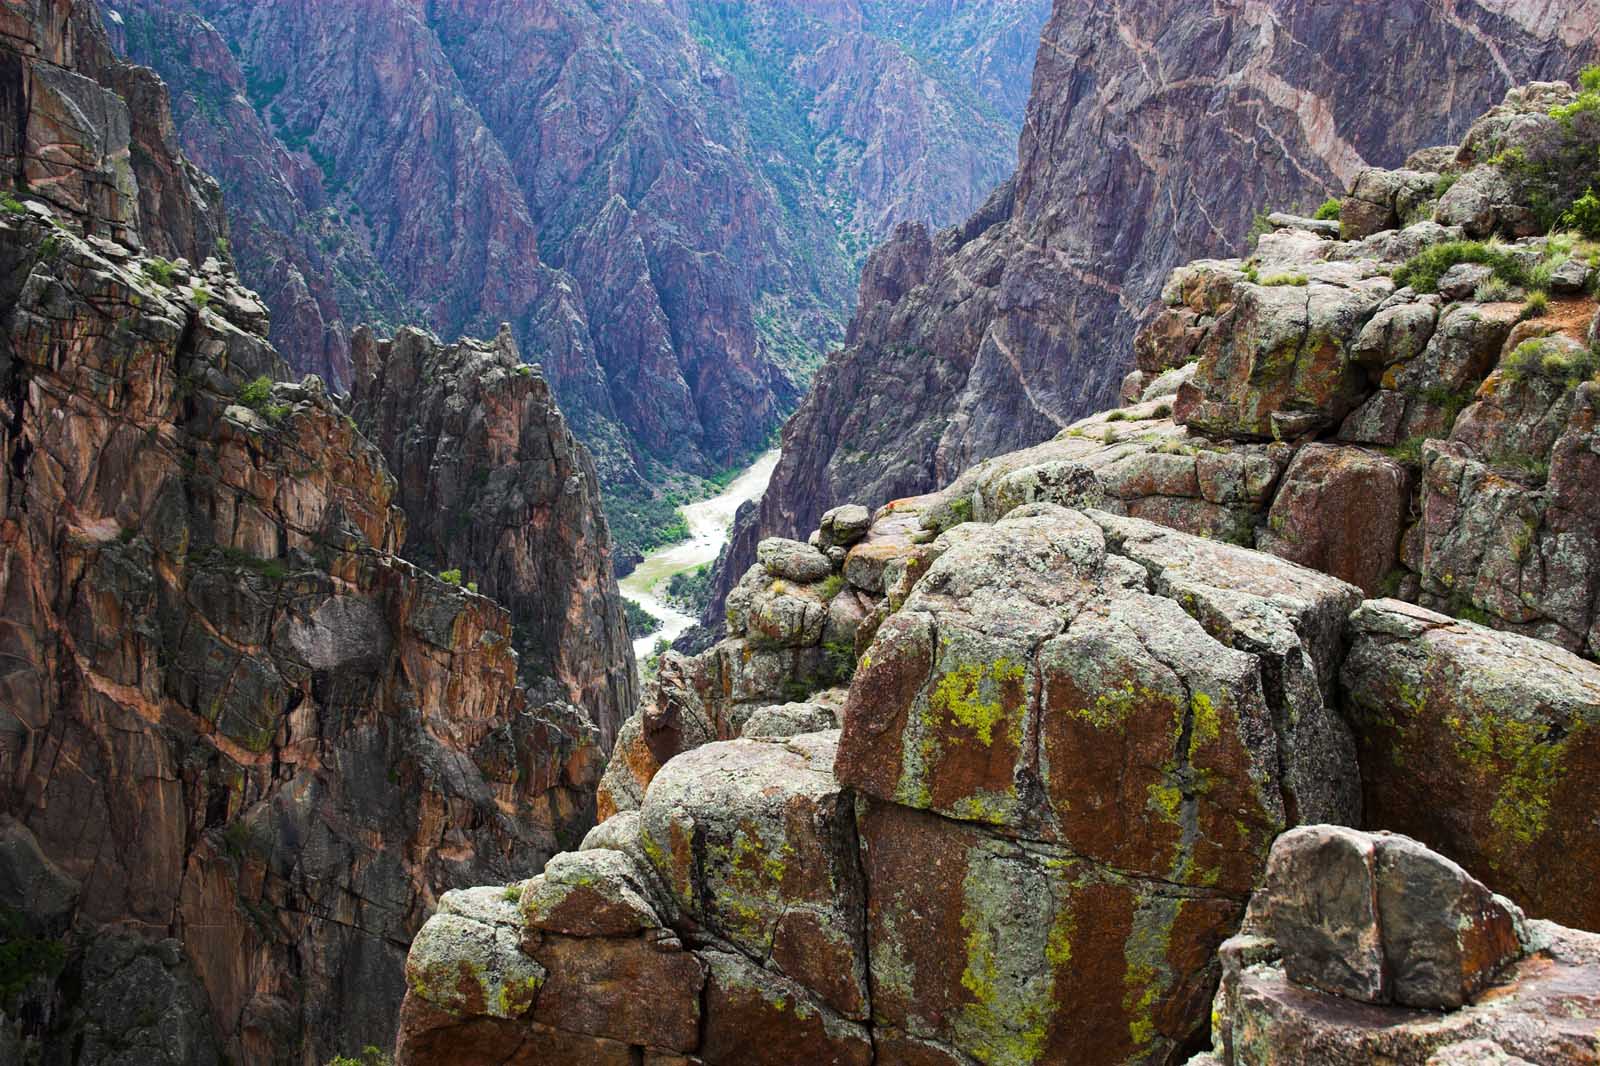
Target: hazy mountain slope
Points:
(668, 202)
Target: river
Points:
(710, 522)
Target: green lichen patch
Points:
(1524, 761)
(973, 696)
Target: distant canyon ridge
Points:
(670, 203)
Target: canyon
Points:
(1158, 643)
(1248, 722)
(1157, 130)
(668, 202)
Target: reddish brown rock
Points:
(1342, 511)
(1481, 745)
(756, 1018)
(623, 989)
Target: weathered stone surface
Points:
(793, 561)
(757, 1018)
(843, 526)
(495, 488)
(469, 964)
(1341, 511)
(1448, 944)
(1321, 906)
(1482, 745)
(1445, 936)
(625, 989)
(595, 892)
(756, 842)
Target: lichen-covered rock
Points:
(1065, 685)
(466, 958)
(594, 892)
(756, 842)
(1483, 745)
(1277, 362)
(793, 561)
(1492, 989)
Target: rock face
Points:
(1413, 935)
(92, 136)
(245, 746)
(1485, 738)
(497, 491)
(993, 336)
(1091, 684)
(668, 202)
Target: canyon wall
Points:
(246, 742)
(668, 202)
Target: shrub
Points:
(1423, 270)
(258, 397)
(1259, 227)
(1163, 410)
(1542, 358)
(160, 271)
(451, 577)
(11, 205)
(202, 296)
(1588, 97)
(1118, 415)
(1329, 211)
(370, 1056)
(1494, 291)
(831, 586)
(1538, 303)
(1286, 279)
(1584, 215)
(1444, 183)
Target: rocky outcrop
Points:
(667, 201)
(498, 493)
(977, 341)
(1095, 680)
(92, 135)
(1357, 942)
(766, 880)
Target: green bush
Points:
(1538, 303)
(160, 271)
(1588, 97)
(1329, 211)
(1542, 358)
(370, 1056)
(451, 577)
(1584, 215)
(690, 590)
(258, 397)
(1423, 270)
(1275, 280)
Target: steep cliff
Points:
(245, 745)
(1156, 131)
(498, 493)
(667, 202)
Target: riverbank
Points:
(709, 522)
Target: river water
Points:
(710, 522)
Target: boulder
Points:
(598, 892)
(755, 842)
(1341, 510)
(792, 561)
(466, 960)
(843, 526)
(1481, 744)
(1466, 981)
